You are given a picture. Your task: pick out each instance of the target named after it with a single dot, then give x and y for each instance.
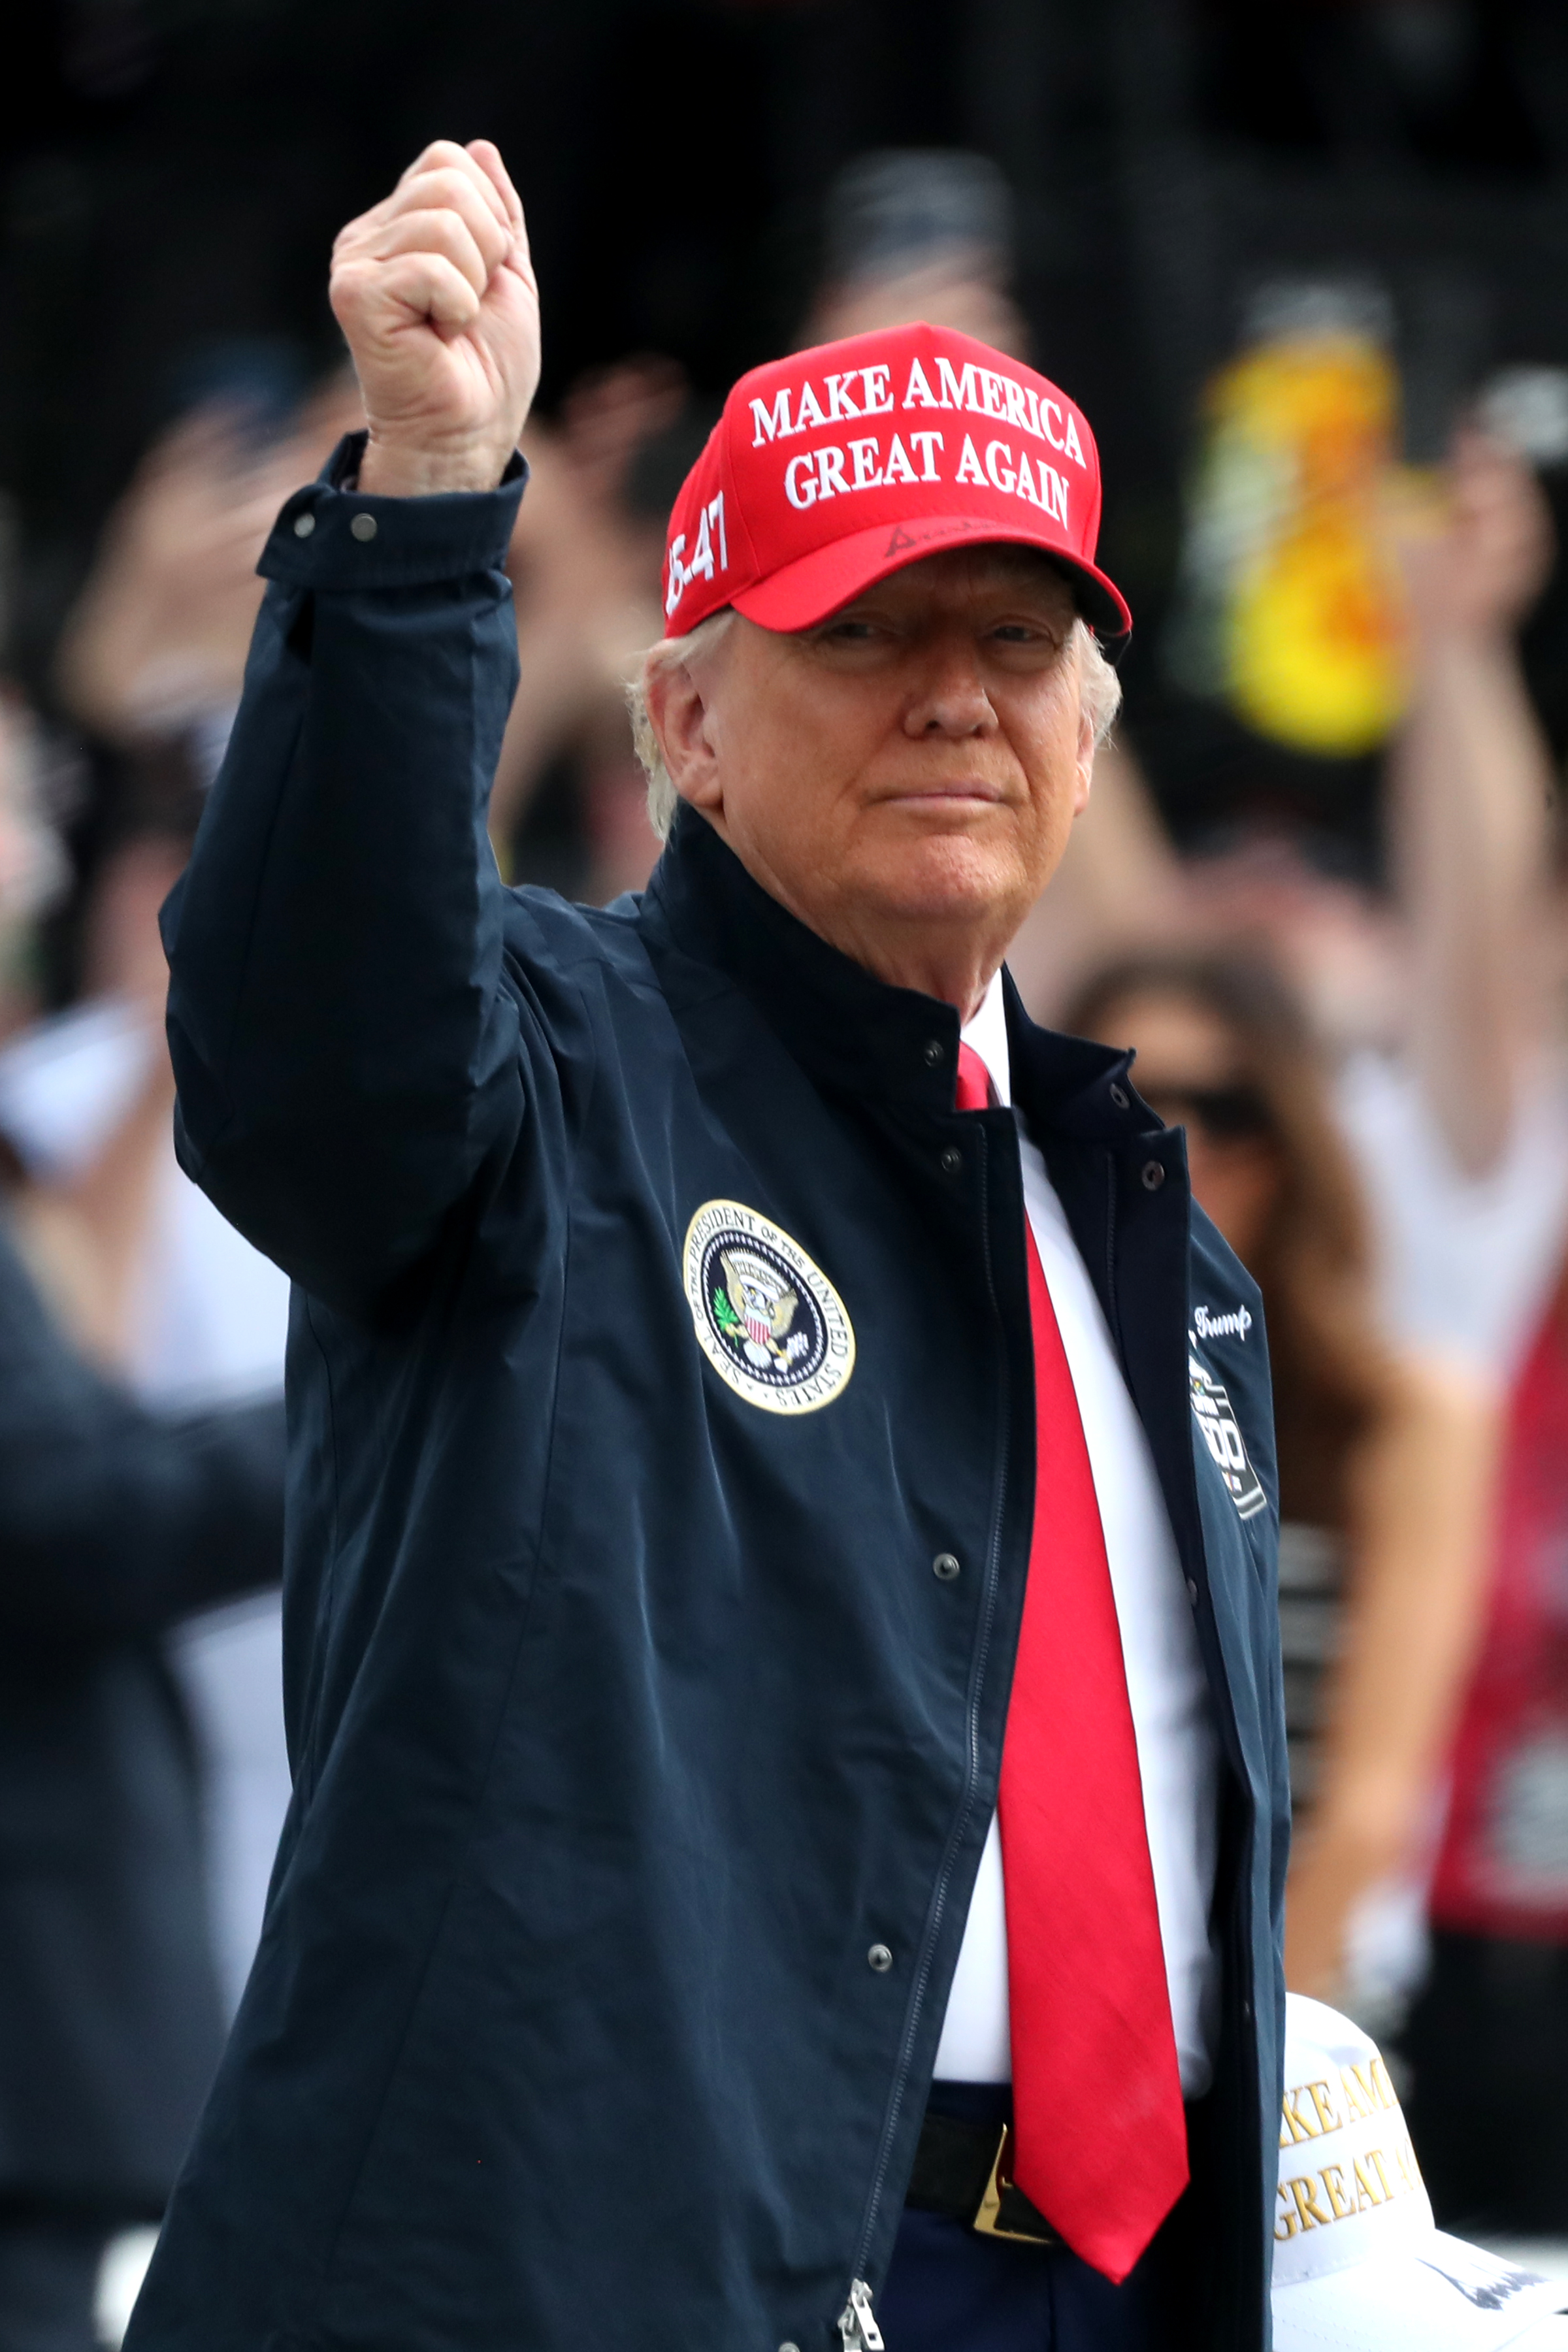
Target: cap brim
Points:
(802, 594)
(1446, 2297)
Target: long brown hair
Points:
(1331, 1366)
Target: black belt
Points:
(965, 2171)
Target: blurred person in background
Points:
(584, 564)
(1410, 1315)
(114, 1523)
(1467, 1152)
(1401, 985)
(1461, 1130)
(154, 1281)
(1444, 1012)
(1385, 1454)
(154, 646)
(914, 233)
(33, 866)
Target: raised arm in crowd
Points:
(1470, 794)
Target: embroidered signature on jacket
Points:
(1209, 1325)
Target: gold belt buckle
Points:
(1004, 2211)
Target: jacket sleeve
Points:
(347, 1058)
(114, 1519)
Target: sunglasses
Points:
(1226, 1114)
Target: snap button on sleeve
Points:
(305, 524)
(881, 1960)
(364, 526)
(945, 1565)
(1153, 1175)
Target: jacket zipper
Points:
(857, 2321)
(858, 2325)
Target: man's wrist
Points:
(337, 535)
(390, 471)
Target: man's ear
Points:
(678, 713)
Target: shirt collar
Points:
(987, 1035)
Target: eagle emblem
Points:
(766, 1317)
(755, 1302)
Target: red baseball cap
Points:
(837, 466)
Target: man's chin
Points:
(951, 878)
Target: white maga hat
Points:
(1359, 2263)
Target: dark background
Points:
(173, 171)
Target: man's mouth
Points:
(967, 789)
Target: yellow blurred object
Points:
(1301, 593)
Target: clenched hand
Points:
(435, 291)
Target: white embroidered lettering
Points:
(863, 457)
(918, 392)
(676, 576)
(927, 443)
(807, 415)
(769, 422)
(897, 467)
(1003, 476)
(830, 478)
(839, 404)
(800, 487)
(681, 574)
(957, 391)
(968, 464)
(1209, 1325)
(1053, 492)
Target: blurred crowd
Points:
(1372, 1078)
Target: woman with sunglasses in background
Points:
(1384, 1457)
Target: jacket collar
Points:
(852, 1033)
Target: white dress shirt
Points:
(1178, 1746)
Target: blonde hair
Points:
(1097, 684)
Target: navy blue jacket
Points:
(627, 1713)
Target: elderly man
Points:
(783, 1678)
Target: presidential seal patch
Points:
(1222, 1435)
(768, 1320)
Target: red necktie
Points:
(1100, 2134)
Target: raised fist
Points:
(434, 291)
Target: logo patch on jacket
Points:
(1221, 1435)
(768, 1320)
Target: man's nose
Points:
(950, 697)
